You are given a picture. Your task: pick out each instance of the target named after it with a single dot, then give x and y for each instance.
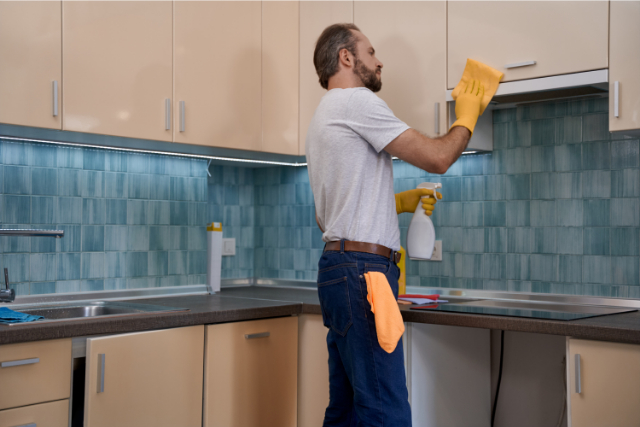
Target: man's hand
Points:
(468, 105)
(407, 201)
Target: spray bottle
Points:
(421, 237)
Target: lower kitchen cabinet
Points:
(50, 414)
(603, 380)
(313, 370)
(145, 379)
(250, 376)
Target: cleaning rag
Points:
(9, 316)
(486, 75)
(389, 324)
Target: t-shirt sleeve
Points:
(371, 118)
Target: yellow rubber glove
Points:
(468, 105)
(407, 201)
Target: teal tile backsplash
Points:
(553, 209)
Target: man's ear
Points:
(346, 58)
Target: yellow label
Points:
(402, 281)
(214, 226)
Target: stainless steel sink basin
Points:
(80, 310)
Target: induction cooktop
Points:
(525, 309)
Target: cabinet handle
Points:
(167, 114)
(578, 378)
(437, 118)
(55, 98)
(260, 335)
(616, 99)
(20, 362)
(181, 116)
(520, 64)
(101, 360)
(28, 425)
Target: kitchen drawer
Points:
(41, 372)
(50, 414)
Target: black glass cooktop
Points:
(534, 313)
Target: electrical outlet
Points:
(437, 251)
(228, 247)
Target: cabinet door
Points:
(280, 77)
(313, 371)
(315, 16)
(145, 379)
(50, 414)
(250, 373)
(30, 48)
(117, 67)
(560, 36)
(217, 73)
(410, 40)
(625, 65)
(609, 375)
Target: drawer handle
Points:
(260, 335)
(181, 116)
(167, 114)
(28, 425)
(55, 98)
(20, 362)
(616, 99)
(101, 360)
(437, 118)
(578, 378)
(520, 64)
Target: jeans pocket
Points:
(335, 304)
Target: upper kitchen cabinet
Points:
(217, 48)
(31, 68)
(117, 63)
(624, 55)
(315, 16)
(145, 379)
(410, 40)
(280, 77)
(528, 39)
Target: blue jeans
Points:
(367, 385)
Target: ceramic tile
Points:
(43, 267)
(136, 264)
(197, 239)
(625, 241)
(568, 157)
(138, 238)
(43, 181)
(542, 186)
(495, 214)
(518, 267)
(198, 262)
(503, 133)
(138, 163)
(495, 240)
(92, 184)
(625, 183)
(543, 132)
(71, 242)
(624, 212)
(568, 185)
(518, 160)
(17, 180)
(570, 240)
(543, 159)
(93, 211)
(116, 238)
(68, 286)
(68, 157)
(518, 213)
(472, 240)
(116, 161)
(38, 244)
(596, 212)
(624, 270)
(494, 187)
(116, 211)
(179, 238)
(137, 211)
(595, 127)
(93, 238)
(43, 210)
(17, 153)
(92, 265)
(625, 154)
(161, 188)
(570, 268)
(94, 159)
(523, 135)
(69, 182)
(596, 269)
(597, 184)
(69, 266)
(568, 130)
(597, 241)
(139, 186)
(544, 240)
(158, 213)
(519, 240)
(16, 209)
(569, 212)
(158, 263)
(543, 213)
(495, 266)
(472, 214)
(596, 155)
(92, 285)
(544, 267)
(178, 262)
(518, 187)
(178, 213)
(42, 288)
(468, 265)
(69, 210)
(115, 264)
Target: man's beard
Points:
(368, 76)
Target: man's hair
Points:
(333, 39)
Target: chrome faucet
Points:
(9, 295)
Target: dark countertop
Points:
(255, 302)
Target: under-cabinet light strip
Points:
(165, 153)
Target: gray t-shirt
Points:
(350, 174)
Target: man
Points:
(350, 141)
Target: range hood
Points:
(521, 91)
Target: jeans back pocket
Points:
(335, 304)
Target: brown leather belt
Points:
(369, 248)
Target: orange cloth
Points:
(488, 76)
(389, 324)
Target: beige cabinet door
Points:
(410, 40)
(315, 16)
(118, 71)
(50, 414)
(606, 391)
(217, 73)
(250, 373)
(31, 64)
(280, 77)
(313, 370)
(624, 56)
(145, 379)
(560, 36)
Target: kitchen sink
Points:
(90, 310)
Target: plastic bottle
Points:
(421, 236)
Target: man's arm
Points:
(318, 222)
(434, 155)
